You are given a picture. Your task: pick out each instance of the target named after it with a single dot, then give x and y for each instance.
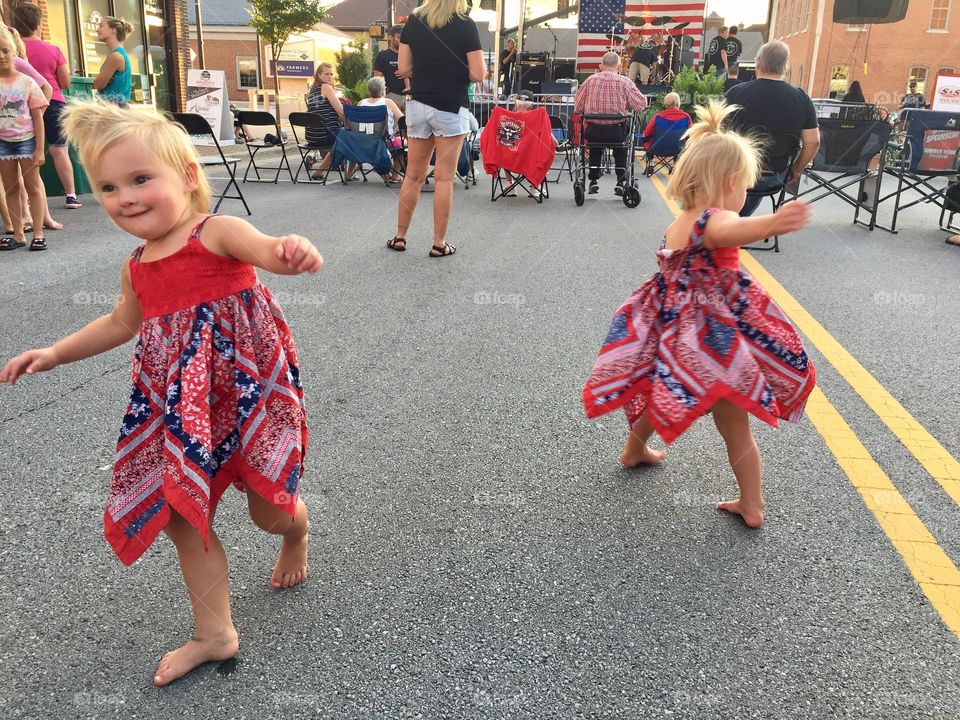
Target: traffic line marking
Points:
(931, 567)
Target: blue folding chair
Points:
(667, 144)
(363, 140)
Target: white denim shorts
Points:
(424, 121)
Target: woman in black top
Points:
(855, 93)
(440, 52)
(322, 100)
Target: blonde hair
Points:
(92, 126)
(122, 27)
(437, 13)
(18, 43)
(711, 155)
(5, 34)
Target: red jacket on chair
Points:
(521, 143)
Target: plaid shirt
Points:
(608, 93)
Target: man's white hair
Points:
(610, 59)
(671, 99)
(773, 58)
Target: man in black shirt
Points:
(733, 46)
(717, 52)
(913, 99)
(771, 106)
(385, 65)
(640, 64)
(733, 73)
(508, 56)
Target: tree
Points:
(353, 69)
(276, 20)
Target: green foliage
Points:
(276, 20)
(353, 68)
(697, 90)
(358, 92)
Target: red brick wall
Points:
(222, 55)
(889, 50)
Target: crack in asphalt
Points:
(64, 395)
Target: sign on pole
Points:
(947, 95)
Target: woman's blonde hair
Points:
(122, 27)
(92, 126)
(710, 157)
(5, 34)
(437, 13)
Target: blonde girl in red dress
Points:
(701, 335)
(216, 396)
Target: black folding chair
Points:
(200, 132)
(559, 130)
(312, 126)
(930, 151)
(852, 153)
(261, 118)
(779, 154)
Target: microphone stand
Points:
(553, 55)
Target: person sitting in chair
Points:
(377, 87)
(671, 113)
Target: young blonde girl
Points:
(216, 397)
(21, 146)
(701, 335)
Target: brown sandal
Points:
(442, 250)
(394, 244)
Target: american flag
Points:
(598, 17)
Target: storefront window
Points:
(129, 10)
(247, 73)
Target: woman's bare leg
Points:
(444, 171)
(418, 160)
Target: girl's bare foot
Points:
(177, 663)
(752, 515)
(291, 566)
(632, 457)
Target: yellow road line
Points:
(931, 567)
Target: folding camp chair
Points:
(521, 145)
(852, 153)
(930, 151)
(311, 125)
(200, 132)
(261, 118)
(779, 154)
(564, 147)
(363, 140)
(667, 144)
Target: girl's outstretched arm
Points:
(104, 333)
(236, 238)
(727, 229)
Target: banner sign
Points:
(206, 96)
(941, 150)
(292, 68)
(947, 95)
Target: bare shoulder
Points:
(220, 231)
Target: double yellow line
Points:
(931, 567)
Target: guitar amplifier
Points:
(564, 69)
(532, 76)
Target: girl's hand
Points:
(792, 217)
(299, 254)
(30, 362)
(38, 157)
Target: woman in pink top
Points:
(49, 61)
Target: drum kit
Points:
(667, 52)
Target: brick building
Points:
(826, 56)
(158, 50)
(231, 45)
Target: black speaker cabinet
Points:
(564, 69)
(867, 12)
(532, 76)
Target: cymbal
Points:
(662, 20)
(614, 38)
(681, 26)
(635, 21)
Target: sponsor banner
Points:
(292, 68)
(206, 96)
(947, 95)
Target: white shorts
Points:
(424, 121)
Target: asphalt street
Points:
(476, 550)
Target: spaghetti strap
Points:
(195, 233)
(700, 226)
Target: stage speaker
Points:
(564, 70)
(868, 12)
(532, 76)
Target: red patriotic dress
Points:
(216, 398)
(698, 331)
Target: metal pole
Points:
(199, 34)
(497, 39)
(515, 85)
